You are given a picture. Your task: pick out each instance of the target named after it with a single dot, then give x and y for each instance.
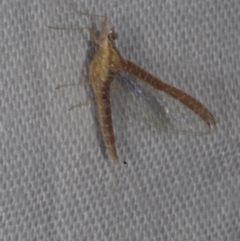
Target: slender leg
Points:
(80, 105)
(104, 23)
(102, 32)
(72, 84)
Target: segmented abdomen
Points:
(102, 96)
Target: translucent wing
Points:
(168, 109)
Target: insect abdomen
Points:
(105, 118)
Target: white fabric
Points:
(57, 180)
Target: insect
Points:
(107, 63)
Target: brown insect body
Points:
(106, 63)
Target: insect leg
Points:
(80, 105)
(72, 84)
(102, 32)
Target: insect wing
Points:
(135, 99)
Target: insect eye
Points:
(112, 35)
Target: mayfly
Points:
(107, 63)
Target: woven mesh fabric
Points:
(57, 181)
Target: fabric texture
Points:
(57, 181)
